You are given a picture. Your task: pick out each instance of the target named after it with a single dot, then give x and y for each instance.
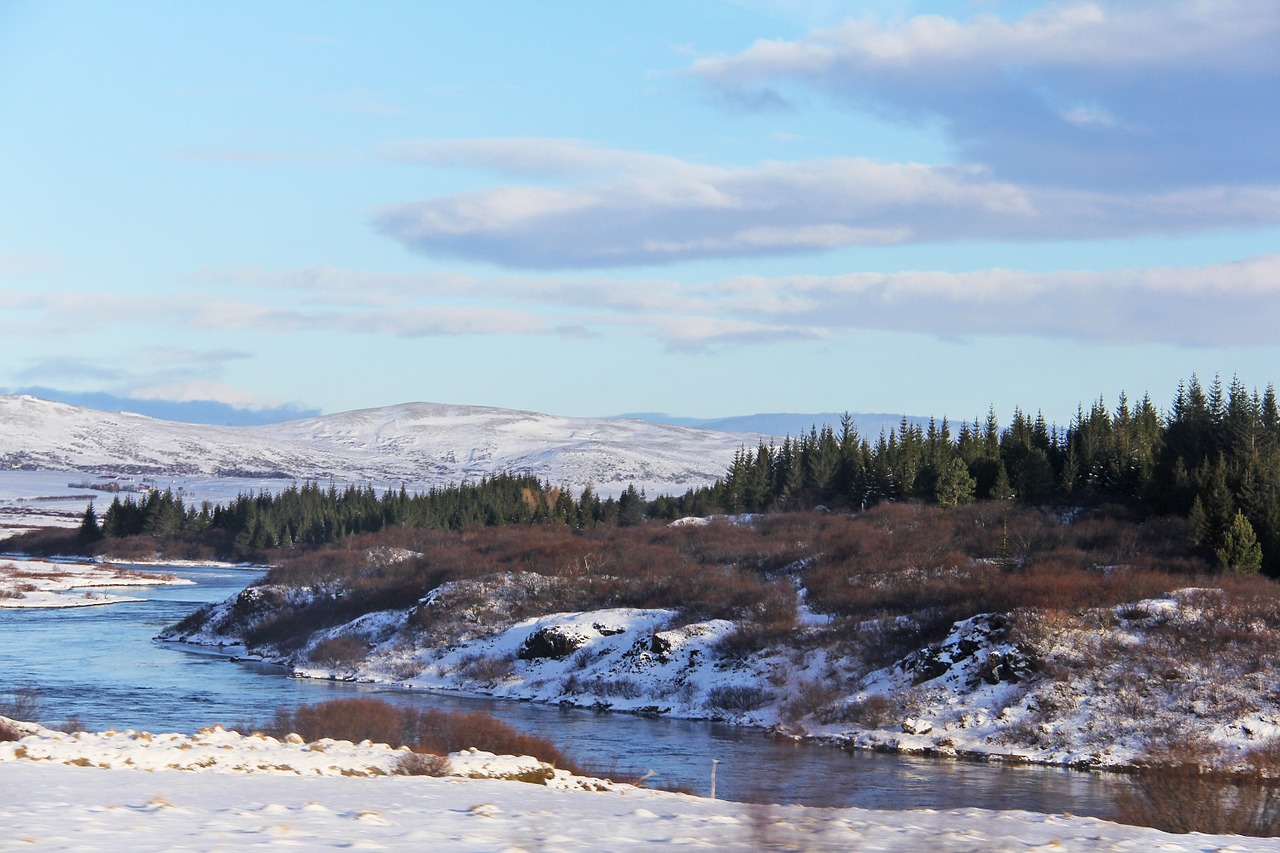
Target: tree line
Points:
(1214, 456)
(310, 514)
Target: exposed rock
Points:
(661, 644)
(550, 642)
(1002, 661)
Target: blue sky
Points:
(586, 208)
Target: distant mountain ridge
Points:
(418, 444)
(780, 424)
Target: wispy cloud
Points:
(683, 211)
(539, 157)
(1228, 304)
(20, 266)
(1155, 94)
(1218, 305)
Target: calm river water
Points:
(100, 664)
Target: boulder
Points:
(550, 642)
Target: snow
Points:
(219, 790)
(1084, 694)
(418, 444)
(40, 583)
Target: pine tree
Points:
(1240, 552)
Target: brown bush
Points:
(737, 698)
(342, 652)
(873, 712)
(344, 719)
(424, 731)
(423, 764)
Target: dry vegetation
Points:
(895, 559)
(429, 733)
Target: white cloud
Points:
(1142, 93)
(695, 211)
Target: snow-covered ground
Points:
(1094, 689)
(40, 583)
(217, 790)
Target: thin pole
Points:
(714, 762)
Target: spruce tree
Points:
(88, 532)
(955, 485)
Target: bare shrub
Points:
(344, 652)
(423, 764)
(737, 698)
(876, 711)
(22, 705)
(623, 688)
(486, 669)
(810, 697)
(343, 719)
(406, 669)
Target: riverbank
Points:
(70, 792)
(1095, 689)
(26, 583)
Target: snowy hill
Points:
(419, 444)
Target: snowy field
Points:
(40, 583)
(123, 791)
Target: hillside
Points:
(422, 444)
(1079, 639)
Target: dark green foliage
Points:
(1213, 455)
(311, 515)
(88, 533)
(1240, 552)
(954, 486)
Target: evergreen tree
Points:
(955, 485)
(1240, 552)
(88, 532)
(630, 507)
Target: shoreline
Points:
(833, 741)
(31, 583)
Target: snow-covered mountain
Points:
(419, 444)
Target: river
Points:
(101, 665)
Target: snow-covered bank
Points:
(1093, 689)
(57, 797)
(41, 583)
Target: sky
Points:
(583, 208)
